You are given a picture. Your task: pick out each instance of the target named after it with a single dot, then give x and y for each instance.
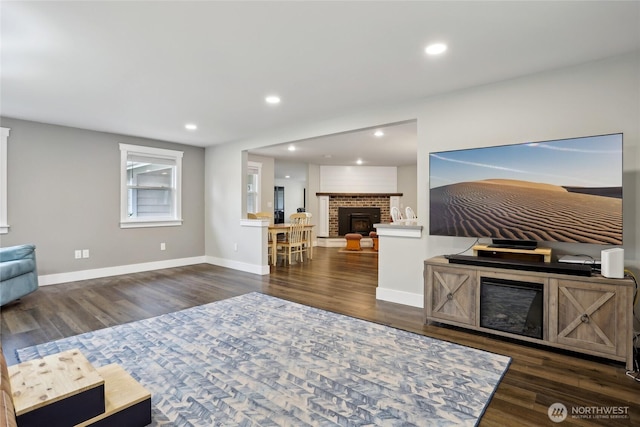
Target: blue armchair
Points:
(18, 273)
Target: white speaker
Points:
(612, 263)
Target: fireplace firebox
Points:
(358, 220)
(512, 306)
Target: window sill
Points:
(4, 229)
(399, 230)
(151, 223)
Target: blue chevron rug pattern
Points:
(256, 360)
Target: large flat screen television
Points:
(566, 190)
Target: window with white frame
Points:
(254, 175)
(4, 138)
(151, 187)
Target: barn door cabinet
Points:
(595, 317)
(451, 295)
(590, 315)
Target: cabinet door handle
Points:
(584, 318)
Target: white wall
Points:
(64, 195)
(358, 179)
(293, 195)
(596, 98)
(267, 182)
(408, 186)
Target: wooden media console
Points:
(590, 315)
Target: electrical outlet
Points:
(163, 246)
(78, 254)
(85, 253)
(235, 247)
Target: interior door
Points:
(278, 208)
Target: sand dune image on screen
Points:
(512, 209)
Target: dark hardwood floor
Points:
(344, 283)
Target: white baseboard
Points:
(236, 265)
(73, 276)
(327, 242)
(400, 297)
(340, 242)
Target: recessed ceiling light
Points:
(287, 176)
(359, 161)
(191, 126)
(272, 99)
(436, 48)
(291, 148)
(379, 133)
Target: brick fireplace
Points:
(358, 220)
(370, 200)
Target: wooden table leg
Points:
(274, 248)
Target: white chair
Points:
(409, 213)
(265, 215)
(308, 232)
(294, 243)
(396, 216)
(305, 218)
(300, 217)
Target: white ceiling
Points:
(397, 147)
(146, 68)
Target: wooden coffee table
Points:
(64, 389)
(58, 390)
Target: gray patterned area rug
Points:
(256, 360)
